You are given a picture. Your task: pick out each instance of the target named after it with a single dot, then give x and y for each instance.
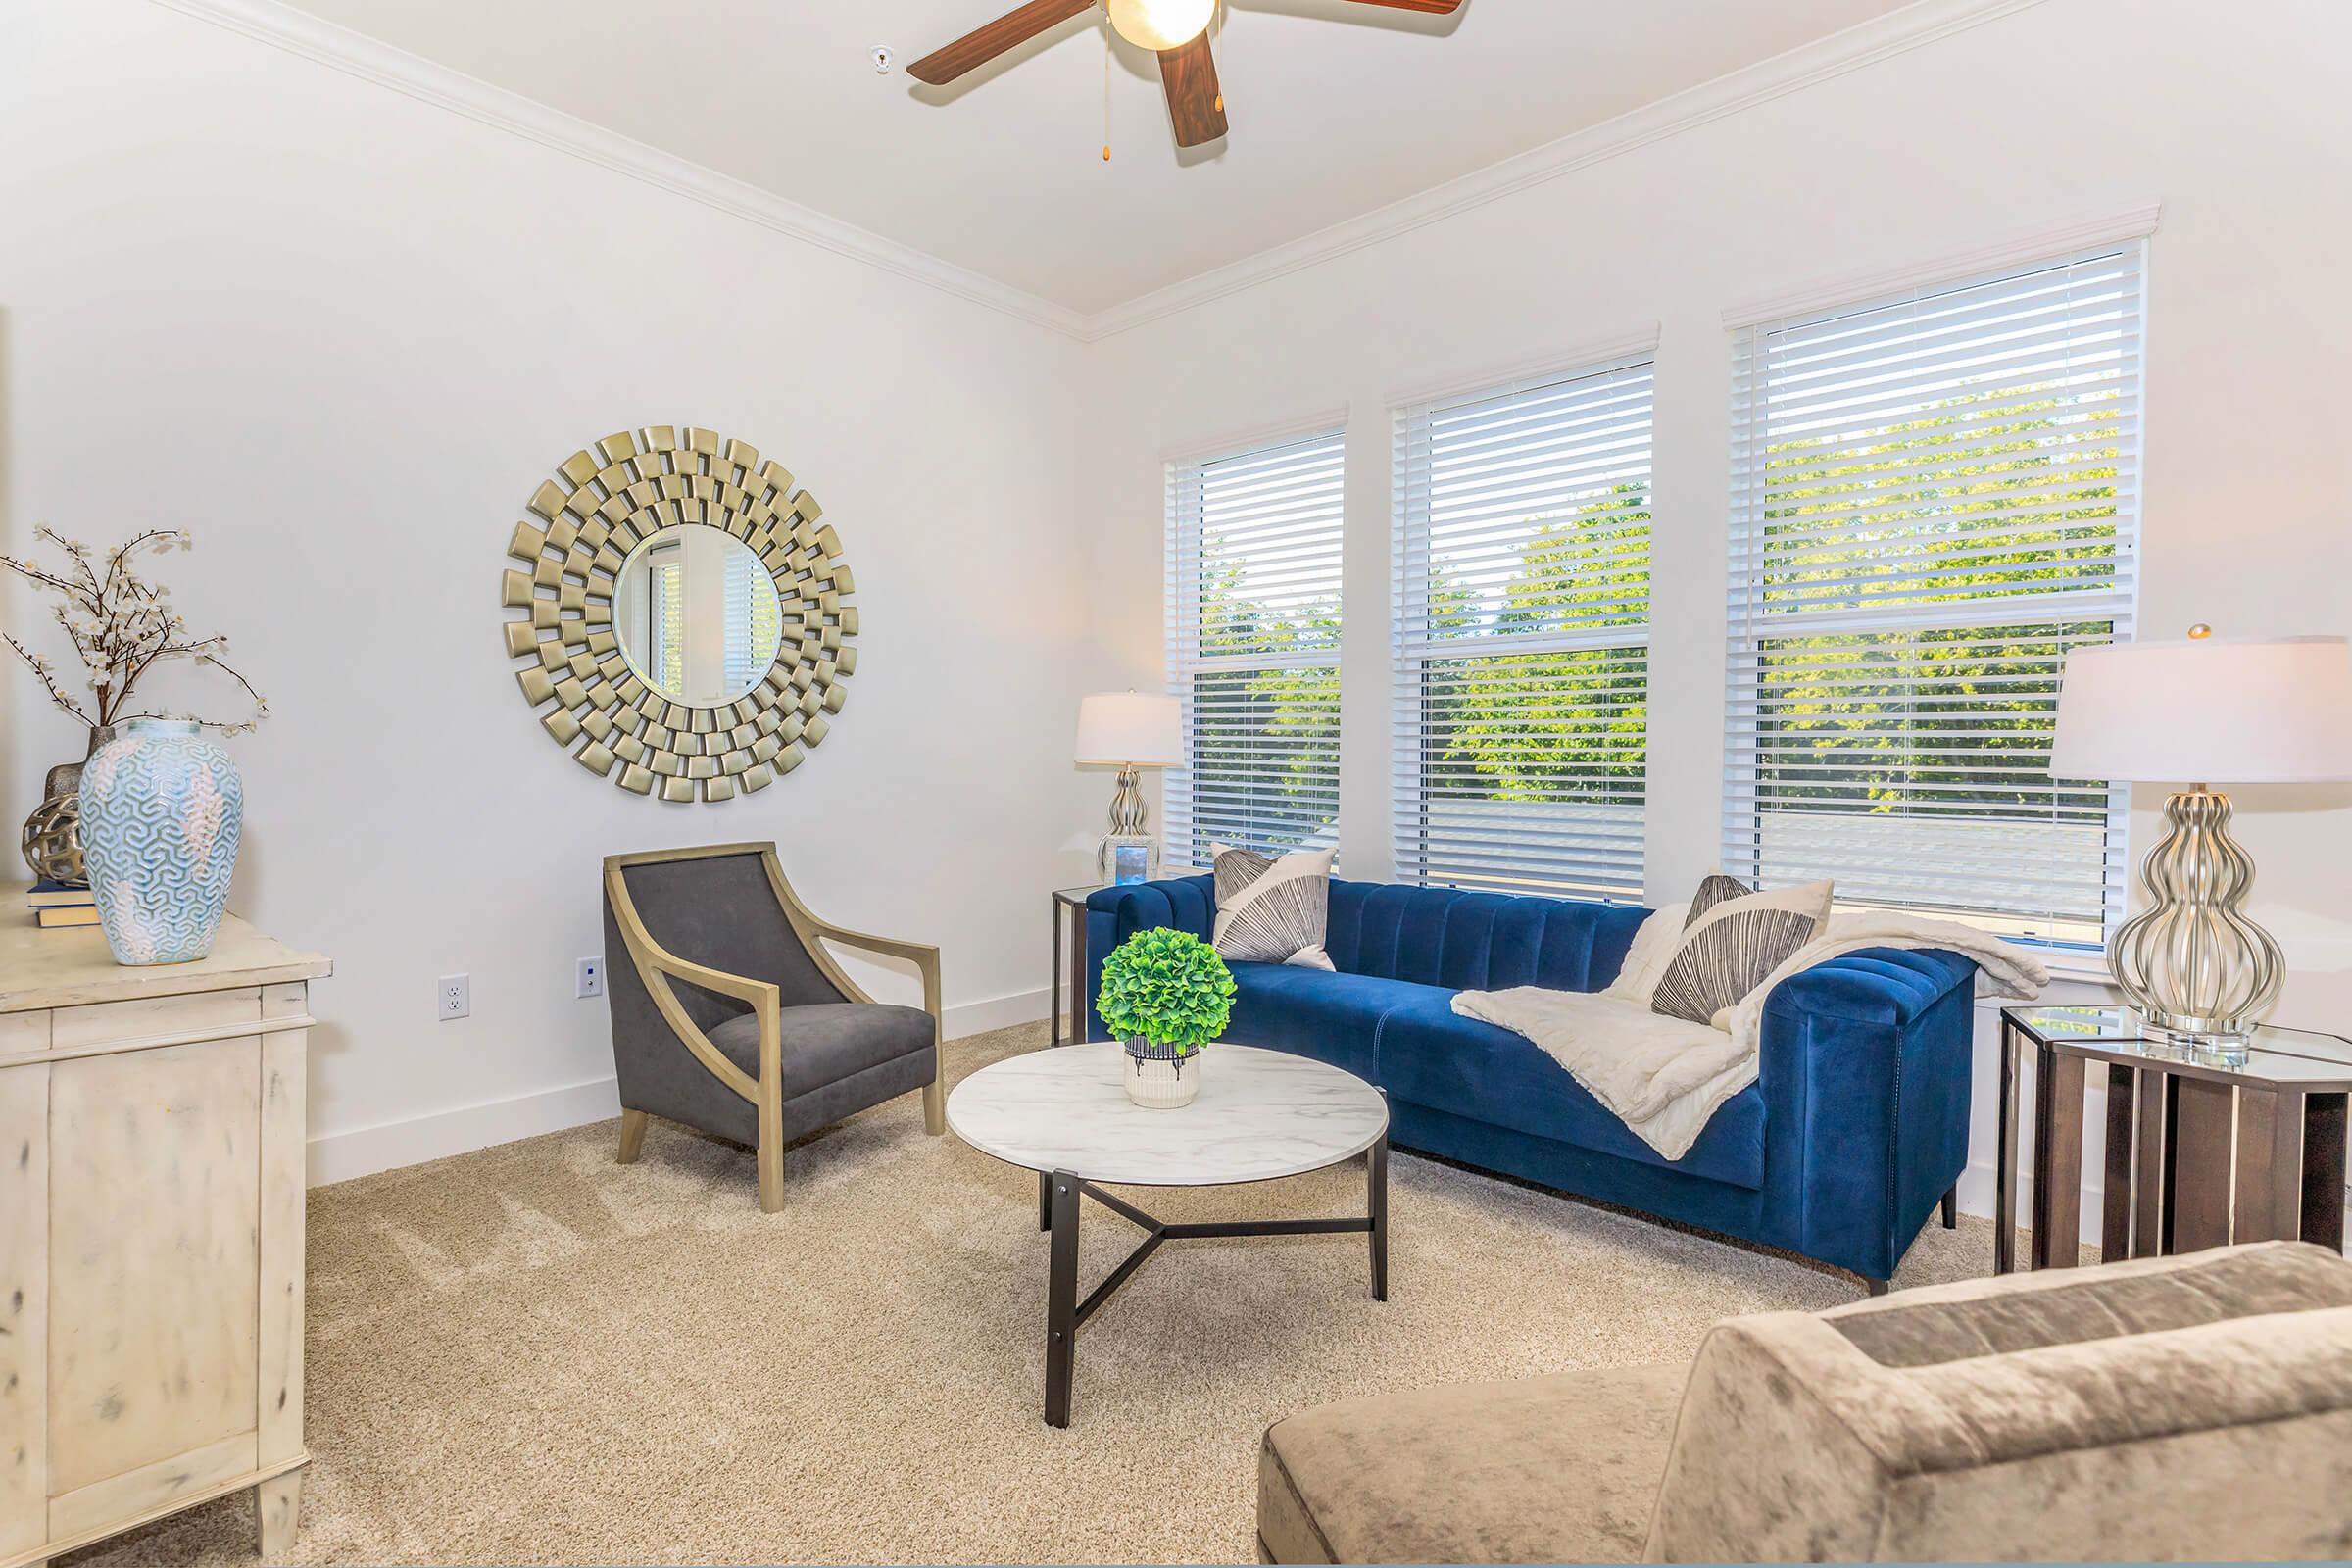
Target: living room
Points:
(1507, 471)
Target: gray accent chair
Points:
(2174, 1408)
(730, 1016)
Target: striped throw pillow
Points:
(1272, 908)
(1732, 941)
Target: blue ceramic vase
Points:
(161, 811)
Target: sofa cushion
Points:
(1553, 1469)
(826, 1042)
(1430, 1055)
(1331, 1018)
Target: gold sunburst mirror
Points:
(687, 620)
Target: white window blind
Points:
(1933, 498)
(1254, 648)
(754, 620)
(666, 618)
(1522, 635)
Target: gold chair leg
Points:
(935, 1102)
(632, 1136)
(771, 1175)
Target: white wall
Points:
(341, 334)
(2232, 117)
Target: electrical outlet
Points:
(453, 995)
(590, 981)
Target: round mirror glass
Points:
(697, 616)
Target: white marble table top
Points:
(1260, 1114)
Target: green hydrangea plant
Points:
(1167, 987)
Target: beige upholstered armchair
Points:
(730, 1016)
(2193, 1408)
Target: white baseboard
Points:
(387, 1146)
(436, 1135)
(993, 1012)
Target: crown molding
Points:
(323, 42)
(300, 33)
(1824, 59)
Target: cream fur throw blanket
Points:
(1665, 1077)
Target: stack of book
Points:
(62, 903)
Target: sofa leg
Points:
(1876, 1287)
(632, 1136)
(1951, 1209)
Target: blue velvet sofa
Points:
(1856, 1126)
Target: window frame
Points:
(1751, 627)
(1511, 855)
(1190, 818)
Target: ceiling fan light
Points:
(1158, 24)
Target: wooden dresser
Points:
(150, 1213)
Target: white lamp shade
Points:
(2210, 710)
(1130, 729)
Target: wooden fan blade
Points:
(1188, 72)
(1008, 31)
(1435, 8)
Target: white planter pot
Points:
(1163, 1085)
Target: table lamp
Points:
(2246, 711)
(1128, 731)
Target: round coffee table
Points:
(1260, 1115)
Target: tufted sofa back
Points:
(1477, 940)
(1443, 936)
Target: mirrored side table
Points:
(2200, 1151)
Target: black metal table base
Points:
(1057, 1195)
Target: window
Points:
(1933, 498)
(1254, 648)
(1522, 635)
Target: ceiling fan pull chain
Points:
(1217, 22)
(1106, 87)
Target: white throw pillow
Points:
(1273, 909)
(1645, 961)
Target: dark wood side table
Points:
(1069, 906)
(2201, 1151)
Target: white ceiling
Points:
(1337, 109)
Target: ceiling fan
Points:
(1176, 30)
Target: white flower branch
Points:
(120, 626)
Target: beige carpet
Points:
(532, 1354)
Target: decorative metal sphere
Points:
(53, 840)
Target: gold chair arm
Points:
(924, 957)
(926, 961)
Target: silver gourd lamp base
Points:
(1128, 815)
(2192, 962)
